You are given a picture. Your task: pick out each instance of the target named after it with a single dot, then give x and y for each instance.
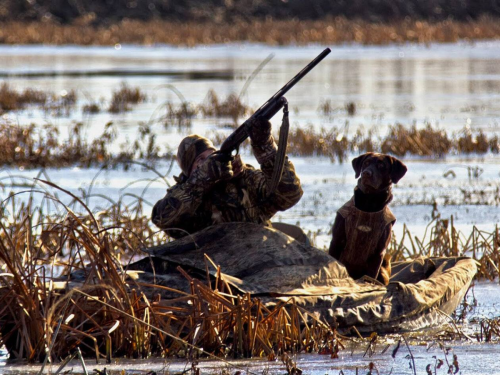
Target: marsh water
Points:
(451, 87)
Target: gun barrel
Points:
(297, 77)
(271, 107)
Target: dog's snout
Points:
(367, 173)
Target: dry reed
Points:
(328, 108)
(124, 97)
(50, 103)
(231, 107)
(275, 32)
(443, 239)
(423, 142)
(41, 146)
(107, 313)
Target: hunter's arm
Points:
(178, 209)
(289, 191)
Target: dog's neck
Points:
(372, 202)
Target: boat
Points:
(268, 264)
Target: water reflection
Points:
(442, 83)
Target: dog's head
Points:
(377, 171)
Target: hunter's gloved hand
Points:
(215, 168)
(259, 131)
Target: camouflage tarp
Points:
(267, 263)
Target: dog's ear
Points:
(398, 169)
(357, 163)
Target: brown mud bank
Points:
(275, 32)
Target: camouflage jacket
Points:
(188, 207)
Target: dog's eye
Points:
(381, 166)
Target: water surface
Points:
(450, 86)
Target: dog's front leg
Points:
(339, 237)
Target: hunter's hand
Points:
(259, 131)
(217, 167)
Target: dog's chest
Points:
(363, 231)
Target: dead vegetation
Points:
(175, 114)
(108, 314)
(328, 108)
(35, 146)
(399, 140)
(65, 102)
(337, 30)
(50, 103)
(336, 143)
(308, 142)
(124, 97)
(231, 107)
(443, 239)
(422, 142)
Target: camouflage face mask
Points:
(189, 149)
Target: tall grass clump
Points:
(231, 107)
(41, 320)
(11, 100)
(34, 146)
(443, 239)
(48, 102)
(124, 97)
(307, 142)
(65, 285)
(422, 142)
(328, 108)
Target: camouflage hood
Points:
(189, 149)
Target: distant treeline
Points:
(111, 11)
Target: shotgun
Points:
(269, 108)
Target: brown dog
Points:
(363, 226)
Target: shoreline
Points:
(291, 32)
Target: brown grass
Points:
(124, 97)
(180, 115)
(64, 103)
(489, 330)
(423, 142)
(442, 239)
(50, 103)
(40, 146)
(400, 141)
(306, 142)
(231, 107)
(108, 314)
(91, 108)
(334, 31)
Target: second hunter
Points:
(213, 189)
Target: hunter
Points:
(212, 189)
